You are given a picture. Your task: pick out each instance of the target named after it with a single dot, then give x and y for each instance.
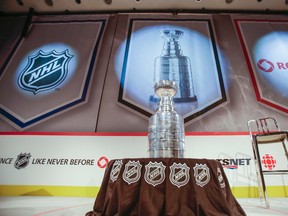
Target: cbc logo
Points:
(268, 161)
(268, 66)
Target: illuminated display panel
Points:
(150, 56)
(265, 45)
(49, 71)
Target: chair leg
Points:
(285, 149)
(258, 178)
(263, 188)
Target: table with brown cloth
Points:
(165, 186)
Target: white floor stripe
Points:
(78, 206)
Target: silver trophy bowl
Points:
(166, 133)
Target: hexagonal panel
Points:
(182, 50)
(45, 75)
(266, 49)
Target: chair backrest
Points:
(263, 125)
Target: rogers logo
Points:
(265, 65)
(268, 161)
(102, 162)
(268, 66)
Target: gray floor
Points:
(78, 206)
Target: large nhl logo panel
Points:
(47, 76)
(44, 71)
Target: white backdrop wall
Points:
(79, 160)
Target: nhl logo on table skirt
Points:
(115, 171)
(132, 172)
(179, 174)
(44, 71)
(201, 174)
(220, 178)
(154, 173)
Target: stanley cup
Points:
(166, 131)
(173, 65)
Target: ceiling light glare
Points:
(49, 2)
(20, 2)
(108, 1)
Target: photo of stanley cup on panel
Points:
(183, 51)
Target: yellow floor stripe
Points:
(80, 191)
(253, 192)
(35, 190)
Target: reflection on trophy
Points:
(166, 131)
(172, 65)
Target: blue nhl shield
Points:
(44, 71)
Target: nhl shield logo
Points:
(154, 173)
(201, 174)
(115, 171)
(44, 71)
(179, 174)
(132, 172)
(22, 160)
(220, 178)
